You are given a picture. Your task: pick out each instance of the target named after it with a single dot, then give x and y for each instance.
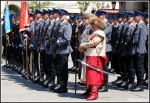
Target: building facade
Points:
(14, 7)
(107, 6)
(132, 6)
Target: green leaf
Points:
(35, 5)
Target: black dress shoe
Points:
(82, 84)
(73, 69)
(137, 88)
(23, 74)
(14, 67)
(129, 86)
(103, 88)
(27, 77)
(145, 83)
(31, 77)
(119, 80)
(56, 86)
(45, 84)
(19, 70)
(41, 81)
(8, 65)
(119, 84)
(36, 79)
(112, 70)
(124, 83)
(52, 85)
(61, 89)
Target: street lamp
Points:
(113, 6)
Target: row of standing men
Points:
(126, 48)
(48, 39)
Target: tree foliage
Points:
(35, 5)
(98, 4)
(83, 5)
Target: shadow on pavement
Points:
(71, 95)
(13, 76)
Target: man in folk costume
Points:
(96, 50)
(84, 38)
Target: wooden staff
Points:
(76, 52)
(6, 44)
(27, 57)
(6, 52)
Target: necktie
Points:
(33, 31)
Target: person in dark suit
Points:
(121, 51)
(115, 57)
(73, 39)
(79, 30)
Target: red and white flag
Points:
(24, 16)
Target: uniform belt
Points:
(117, 43)
(34, 39)
(134, 44)
(121, 42)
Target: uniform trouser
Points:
(146, 65)
(44, 60)
(81, 57)
(62, 69)
(4, 50)
(14, 53)
(130, 67)
(19, 55)
(105, 66)
(116, 63)
(73, 53)
(123, 67)
(51, 65)
(35, 60)
(110, 60)
(24, 57)
(9, 53)
(138, 61)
